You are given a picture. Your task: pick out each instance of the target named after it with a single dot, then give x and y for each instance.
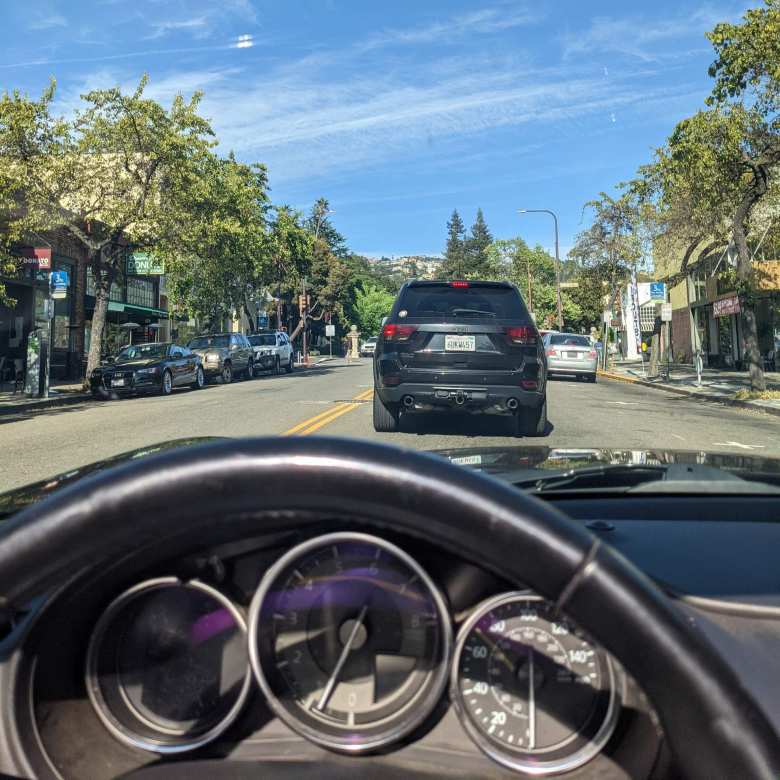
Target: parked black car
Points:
(460, 346)
(148, 368)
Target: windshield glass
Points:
(142, 352)
(268, 340)
(204, 342)
(525, 236)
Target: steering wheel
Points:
(713, 726)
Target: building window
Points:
(140, 292)
(116, 287)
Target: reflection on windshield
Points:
(204, 342)
(142, 352)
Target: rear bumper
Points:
(459, 397)
(571, 366)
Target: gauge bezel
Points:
(422, 707)
(99, 704)
(506, 757)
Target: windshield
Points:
(204, 342)
(263, 341)
(524, 236)
(142, 352)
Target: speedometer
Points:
(350, 641)
(534, 692)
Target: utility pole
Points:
(557, 260)
(530, 293)
(304, 315)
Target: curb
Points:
(691, 393)
(48, 403)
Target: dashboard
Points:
(320, 650)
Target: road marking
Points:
(323, 418)
(624, 403)
(677, 436)
(737, 444)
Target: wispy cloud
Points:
(48, 22)
(485, 21)
(197, 25)
(643, 38)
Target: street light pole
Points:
(557, 259)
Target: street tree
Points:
(372, 303)
(103, 176)
(454, 264)
(476, 249)
(217, 258)
(319, 224)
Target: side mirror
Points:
(107, 360)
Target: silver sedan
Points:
(570, 353)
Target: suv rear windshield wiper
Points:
(641, 478)
(470, 312)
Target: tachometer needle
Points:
(531, 701)
(326, 694)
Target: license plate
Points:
(460, 343)
(117, 383)
(573, 354)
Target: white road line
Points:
(737, 444)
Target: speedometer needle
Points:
(531, 701)
(326, 694)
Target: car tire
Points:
(227, 374)
(531, 420)
(166, 384)
(385, 415)
(200, 379)
(290, 365)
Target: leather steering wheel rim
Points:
(712, 724)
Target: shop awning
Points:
(129, 308)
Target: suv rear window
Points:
(571, 341)
(268, 340)
(443, 302)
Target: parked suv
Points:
(272, 349)
(460, 346)
(225, 355)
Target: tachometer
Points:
(350, 641)
(534, 692)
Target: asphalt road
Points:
(335, 399)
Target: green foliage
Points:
(372, 303)
(454, 264)
(476, 249)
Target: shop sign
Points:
(666, 312)
(144, 264)
(726, 306)
(39, 256)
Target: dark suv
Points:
(460, 346)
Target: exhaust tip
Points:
(511, 404)
(408, 401)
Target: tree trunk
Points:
(79, 291)
(103, 281)
(749, 330)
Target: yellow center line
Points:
(323, 418)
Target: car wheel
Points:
(290, 365)
(200, 379)
(385, 415)
(227, 374)
(531, 420)
(166, 386)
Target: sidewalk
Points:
(60, 394)
(717, 385)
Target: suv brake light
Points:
(523, 334)
(459, 284)
(398, 332)
(551, 352)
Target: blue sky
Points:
(397, 112)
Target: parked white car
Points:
(273, 351)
